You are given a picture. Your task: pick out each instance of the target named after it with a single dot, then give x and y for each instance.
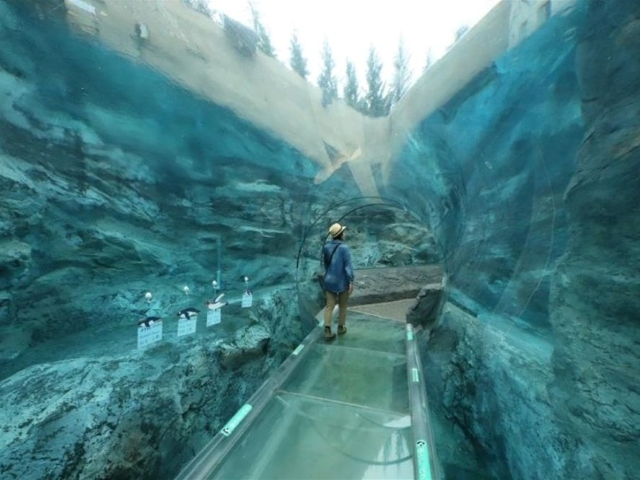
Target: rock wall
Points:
(138, 414)
(489, 384)
(489, 170)
(532, 181)
(596, 287)
(121, 181)
(117, 181)
(102, 204)
(141, 415)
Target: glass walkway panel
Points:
(339, 409)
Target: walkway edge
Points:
(425, 461)
(209, 458)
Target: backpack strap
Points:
(331, 257)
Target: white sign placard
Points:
(149, 335)
(247, 300)
(187, 326)
(214, 317)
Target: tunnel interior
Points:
(151, 159)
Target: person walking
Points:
(338, 279)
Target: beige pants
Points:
(341, 299)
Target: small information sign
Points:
(149, 335)
(214, 317)
(187, 326)
(247, 300)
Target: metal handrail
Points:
(426, 465)
(425, 461)
(210, 457)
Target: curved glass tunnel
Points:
(166, 191)
(382, 234)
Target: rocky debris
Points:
(95, 407)
(378, 285)
(426, 309)
(119, 417)
(490, 381)
(278, 312)
(141, 414)
(249, 343)
(387, 237)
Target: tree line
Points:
(375, 98)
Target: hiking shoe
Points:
(342, 329)
(328, 334)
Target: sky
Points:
(352, 26)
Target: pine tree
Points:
(376, 101)
(327, 81)
(298, 62)
(264, 42)
(402, 74)
(351, 89)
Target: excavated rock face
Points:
(104, 411)
(127, 416)
(493, 164)
(596, 288)
(490, 169)
(116, 181)
(490, 407)
(535, 183)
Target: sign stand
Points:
(214, 309)
(247, 296)
(148, 335)
(187, 326)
